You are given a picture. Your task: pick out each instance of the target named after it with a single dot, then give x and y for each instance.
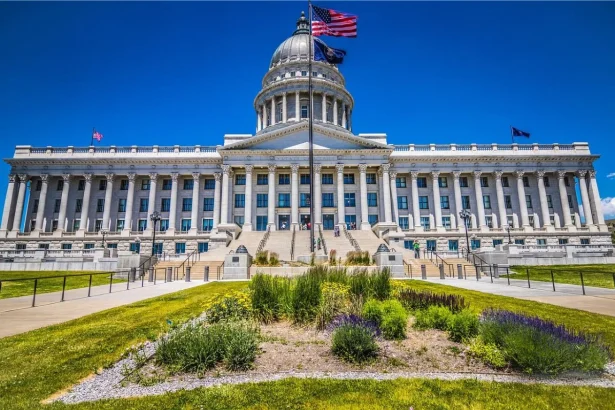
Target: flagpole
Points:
(512, 136)
(93, 131)
(311, 130)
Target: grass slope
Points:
(26, 287)
(593, 275)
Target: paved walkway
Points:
(17, 317)
(595, 300)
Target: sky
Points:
(187, 73)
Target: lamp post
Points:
(465, 215)
(138, 242)
(508, 230)
(154, 217)
(104, 233)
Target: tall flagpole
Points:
(311, 130)
(93, 131)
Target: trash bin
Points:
(459, 271)
(423, 272)
(188, 274)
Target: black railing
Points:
(352, 241)
(407, 268)
(192, 257)
(322, 240)
(263, 242)
(292, 244)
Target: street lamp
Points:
(508, 230)
(465, 215)
(104, 233)
(154, 217)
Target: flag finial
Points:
(302, 25)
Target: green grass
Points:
(26, 287)
(37, 364)
(593, 275)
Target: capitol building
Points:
(69, 197)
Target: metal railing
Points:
(263, 242)
(292, 244)
(322, 241)
(352, 241)
(437, 260)
(192, 257)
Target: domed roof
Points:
(296, 47)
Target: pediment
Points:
(295, 137)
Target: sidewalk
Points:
(50, 311)
(596, 300)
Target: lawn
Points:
(47, 285)
(37, 364)
(593, 275)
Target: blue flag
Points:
(323, 52)
(516, 132)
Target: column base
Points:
(58, 232)
(272, 227)
(3, 233)
(193, 232)
(549, 228)
(125, 233)
(528, 228)
(365, 226)
(572, 228)
(11, 234)
(247, 227)
(603, 228)
(593, 228)
(169, 232)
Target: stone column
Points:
(284, 114)
(542, 193)
(563, 196)
(271, 198)
(297, 107)
(247, 216)
(173, 207)
(393, 184)
(324, 107)
(294, 195)
(194, 215)
(380, 196)
(226, 170)
(317, 195)
(525, 220)
(416, 211)
(42, 199)
(458, 205)
(217, 195)
(108, 199)
(499, 190)
(8, 203)
(480, 206)
(595, 198)
(365, 226)
(259, 120)
(21, 195)
(273, 110)
(130, 199)
(151, 202)
(85, 203)
(436, 198)
(341, 210)
(387, 193)
(335, 111)
(265, 114)
(64, 203)
(587, 209)
(344, 123)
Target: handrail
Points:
(322, 240)
(449, 266)
(263, 242)
(474, 257)
(220, 271)
(183, 265)
(141, 269)
(352, 241)
(292, 244)
(409, 266)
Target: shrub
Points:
(380, 284)
(360, 284)
(236, 305)
(414, 300)
(354, 320)
(306, 295)
(359, 258)
(435, 317)
(270, 297)
(334, 301)
(261, 258)
(488, 353)
(354, 343)
(241, 347)
(274, 259)
(394, 321)
(538, 346)
(463, 326)
(332, 257)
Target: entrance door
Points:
(328, 222)
(350, 219)
(283, 222)
(305, 219)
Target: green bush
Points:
(463, 326)
(380, 284)
(360, 284)
(394, 321)
(416, 299)
(334, 301)
(306, 295)
(270, 297)
(355, 344)
(233, 306)
(435, 317)
(488, 353)
(358, 258)
(372, 311)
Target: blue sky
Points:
(187, 73)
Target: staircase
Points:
(279, 242)
(341, 244)
(302, 244)
(368, 241)
(432, 270)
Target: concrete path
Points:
(596, 300)
(17, 317)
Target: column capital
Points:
(393, 175)
(581, 173)
(561, 174)
(477, 174)
(196, 175)
(498, 174)
(153, 176)
(294, 168)
(249, 169)
(592, 173)
(456, 174)
(131, 176)
(44, 177)
(23, 177)
(414, 174)
(87, 177)
(226, 169)
(541, 173)
(363, 168)
(271, 167)
(174, 176)
(217, 176)
(12, 178)
(435, 174)
(317, 168)
(110, 176)
(385, 167)
(65, 177)
(519, 174)
(340, 168)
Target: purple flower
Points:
(353, 320)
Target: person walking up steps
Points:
(417, 250)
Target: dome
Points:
(296, 47)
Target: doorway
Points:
(328, 222)
(305, 219)
(283, 222)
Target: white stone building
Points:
(65, 196)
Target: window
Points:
(123, 185)
(442, 182)
(566, 181)
(563, 241)
(164, 225)
(88, 246)
(408, 244)
(446, 222)
(423, 202)
(100, 205)
(546, 180)
(80, 185)
(484, 182)
(35, 206)
(570, 203)
(349, 199)
(421, 182)
(76, 225)
(97, 225)
(400, 182)
(304, 199)
(135, 247)
(112, 245)
(262, 179)
(261, 222)
(20, 246)
(487, 201)
(549, 201)
(372, 199)
(327, 179)
(497, 242)
(144, 204)
(528, 201)
(425, 222)
(526, 182)
(371, 178)
(348, 179)
(519, 241)
(167, 184)
(463, 182)
(530, 219)
(507, 202)
(121, 205)
(284, 179)
(189, 183)
(208, 224)
(305, 179)
(102, 184)
(465, 202)
(489, 221)
(372, 219)
(203, 246)
(39, 184)
(283, 200)
(505, 182)
(186, 204)
(141, 225)
(453, 245)
(475, 244)
(403, 223)
(304, 108)
(67, 246)
(186, 224)
(119, 225)
(444, 203)
(585, 241)
(430, 244)
(180, 247)
(573, 219)
(261, 201)
(240, 179)
(239, 220)
(145, 184)
(60, 185)
(165, 205)
(402, 202)
(210, 183)
(208, 204)
(327, 200)
(240, 200)
(541, 242)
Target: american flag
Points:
(96, 135)
(326, 22)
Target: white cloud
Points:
(611, 175)
(608, 207)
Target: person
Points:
(318, 243)
(308, 226)
(283, 225)
(417, 250)
(336, 231)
